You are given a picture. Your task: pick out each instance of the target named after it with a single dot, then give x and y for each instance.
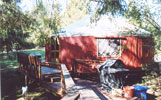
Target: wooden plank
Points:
(91, 90)
(88, 90)
(55, 85)
(54, 50)
(52, 86)
(48, 70)
(89, 61)
(122, 38)
(88, 94)
(72, 91)
(51, 64)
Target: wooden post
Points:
(26, 80)
(75, 67)
(39, 71)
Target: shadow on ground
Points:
(151, 97)
(12, 82)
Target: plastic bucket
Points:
(128, 91)
(140, 92)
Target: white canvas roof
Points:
(105, 26)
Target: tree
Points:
(140, 15)
(111, 6)
(138, 12)
(49, 20)
(13, 27)
(75, 10)
(46, 22)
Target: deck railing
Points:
(32, 67)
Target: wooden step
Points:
(56, 86)
(52, 79)
(55, 79)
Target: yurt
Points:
(85, 44)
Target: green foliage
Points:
(138, 12)
(140, 15)
(50, 21)
(55, 23)
(37, 25)
(13, 27)
(46, 23)
(153, 81)
(111, 6)
(75, 10)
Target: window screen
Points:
(109, 47)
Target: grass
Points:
(12, 81)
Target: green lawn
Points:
(10, 63)
(12, 81)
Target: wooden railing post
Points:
(39, 72)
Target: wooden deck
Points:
(91, 90)
(56, 77)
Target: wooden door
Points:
(55, 49)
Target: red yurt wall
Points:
(77, 48)
(135, 51)
(138, 51)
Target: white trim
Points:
(120, 53)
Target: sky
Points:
(28, 5)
